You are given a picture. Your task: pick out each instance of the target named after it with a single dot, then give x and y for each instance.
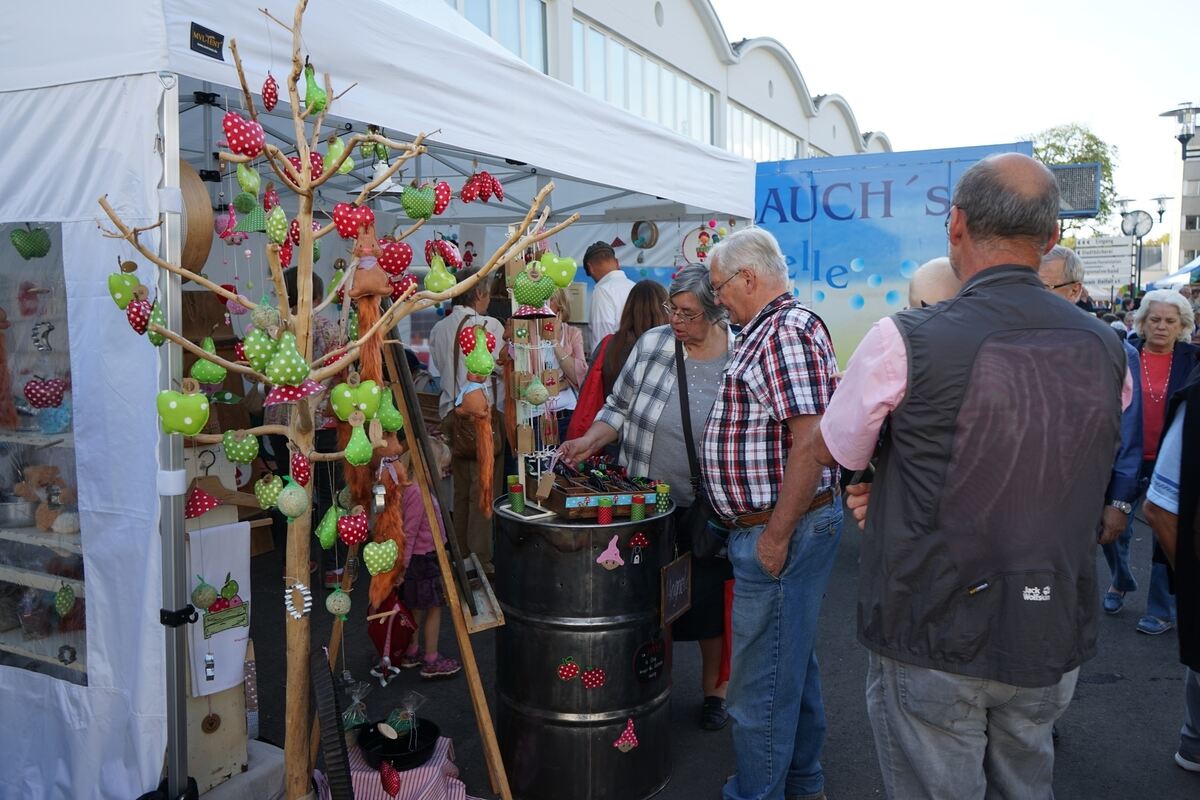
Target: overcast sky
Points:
(945, 74)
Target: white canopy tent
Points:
(83, 89)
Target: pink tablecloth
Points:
(436, 780)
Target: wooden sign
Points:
(676, 590)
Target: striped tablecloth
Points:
(437, 779)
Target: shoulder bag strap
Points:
(685, 415)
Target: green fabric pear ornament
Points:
(358, 449)
(260, 348)
(156, 318)
(439, 278)
(248, 179)
(287, 367)
(204, 370)
(277, 225)
(389, 416)
(327, 527)
(334, 152)
(315, 98)
(479, 361)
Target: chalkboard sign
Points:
(676, 588)
(649, 660)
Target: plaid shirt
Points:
(642, 389)
(782, 367)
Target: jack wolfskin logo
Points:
(1036, 595)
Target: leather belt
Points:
(761, 517)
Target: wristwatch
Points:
(1122, 506)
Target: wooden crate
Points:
(573, 502)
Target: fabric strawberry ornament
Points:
(301, 468)
(442, 193)
(317, 162)
(469, 193)
(405, 284)
(352, 528)
(297, 165)
(199, 503)
(568, 670)
(345, 220)
(396, 257)
(239, 351)
(270, 198)
(497, 189)
(389, 778)
(484, 184)
(245, 137)
(285, 255)
(294, 231)
(270, 92)
(138, 313)
(449, 253)
(466, 339)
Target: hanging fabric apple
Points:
(239, 446)
(183, 412)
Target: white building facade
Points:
(670, 62)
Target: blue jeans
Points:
(775, 685)
(1117, 553)
(1189, 735)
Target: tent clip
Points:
(174, 619)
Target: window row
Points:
(519, 25)
(751, 136)
(613, 71)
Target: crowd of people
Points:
(987, 439)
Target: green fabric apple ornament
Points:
(287, 367)
(417, 203)
(239, 446)
(183, 412)
(204, 370)
(560, 270)
(355, 395)
(267, 490)
(30, 242)
(533, 287)
(121, 285)
(380, 556)
(248, 179)
(389, 416)
(260, 348)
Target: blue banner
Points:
(854, 228)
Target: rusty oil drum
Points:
(571, 623)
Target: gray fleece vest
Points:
(978, 556)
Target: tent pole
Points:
(170, 456)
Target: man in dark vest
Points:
(977, 588)
(1173, 510)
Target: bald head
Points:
(933, 282)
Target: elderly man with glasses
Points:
(782, 510)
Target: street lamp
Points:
(1162, 204)
(1185, 115)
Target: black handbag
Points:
(708, 537)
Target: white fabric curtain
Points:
(65, 147)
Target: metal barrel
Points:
(583, 664)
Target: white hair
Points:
(1072, 264)
(1168, 297)
(754, 249)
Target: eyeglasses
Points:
(686, 316)
(718, 287)
(947, 222)
(1058, 285)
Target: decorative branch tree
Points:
(294, 379)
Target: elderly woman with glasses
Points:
(1162, 326)
(644, 412)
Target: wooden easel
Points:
(484, 610)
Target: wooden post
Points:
(483, 714)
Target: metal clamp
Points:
(173, 619)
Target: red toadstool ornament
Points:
(638, 542)
(628, 738)
(199, 503)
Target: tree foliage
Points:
(1076, 144)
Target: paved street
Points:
(1118, 736)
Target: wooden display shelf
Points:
(46, 648)
(39, 580)
(68, 542)
(38, 439)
